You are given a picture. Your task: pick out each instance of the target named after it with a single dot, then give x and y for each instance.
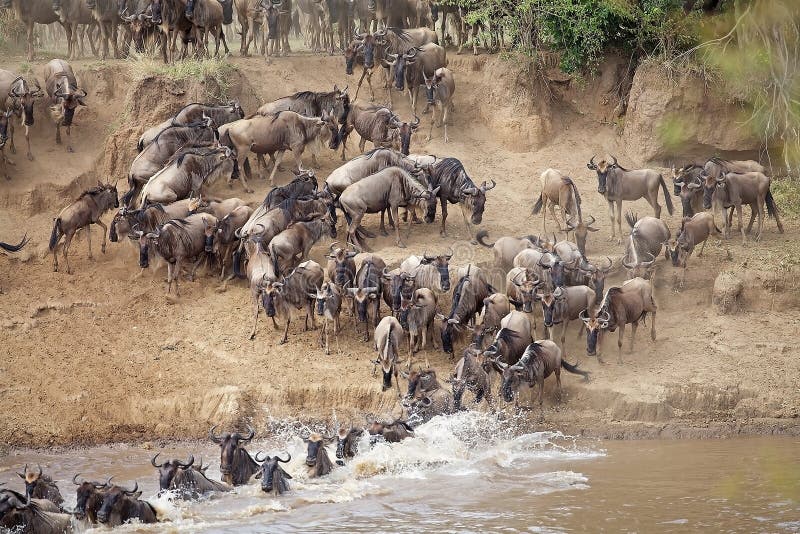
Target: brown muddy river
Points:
(472, 473)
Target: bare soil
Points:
(103, 356)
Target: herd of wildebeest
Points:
(168, 216)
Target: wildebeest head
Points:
(401, 288)
(69, 99)
(404, 131)
(344, 265)
(316, 448)
(31, 479)
(228, 444)
(581, 230)
(139, 25)
(512, 378)
(362, 297)
(362, 44)
(24, 98)
(553, 306)
(208, 235)
(167, 470)
(321, 297)
(597, 275)
(596, 319)
(476, 197)
(398, 63)
(526, 285)
(431, 85)
(329, 121)
(346, 443)
(270, 292)
(602, 167)
(273, 477)
(712, 184)
(442, 264)
(145, 240)
(88, 495)
(113, 498)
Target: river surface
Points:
(472, 473)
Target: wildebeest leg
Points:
(443, 230)
(540, 380)
(278, 159)
(634, 327)
(470, 231)
(611, 215)
(558, 383)
(69, 139)
(89, 239)
(702, 247)
(286, 329)
(653, 325)
(310, 313)
(741, 227)
(398, 241)
(619, 221)
(67, 240)
(760, 205)
(653, 200)
(382, 229)
(619, 342)
(552, 208)
(352, 230)
(564, 333)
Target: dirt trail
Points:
(101, 355)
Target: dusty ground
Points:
(102, 356)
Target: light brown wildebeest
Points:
(693, 231)
(618, 184)
(388, 334)
(82, 213)
(439, 89)
(421, 315)
(329, 304)
(733, 190)
(648, 235)
(506, 248)
(581, 230)
(558, 189)
(563, 305)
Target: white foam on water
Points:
(557, 481)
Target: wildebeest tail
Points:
(140, 145)
(538, 206)
(388, 339)
(576, 195)
(574, 369)
(772, 209)
(56, 234)
(274, 260)
(667, 197)
(631, 218)
(15, 248)
(482, 234)
(237, 262)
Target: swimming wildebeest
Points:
(235, 464)
(558, 189)
(347, 443)
(693, 231)
(121, 505)
(273, 477)
(618, 184)
(89, 498)
(648, 235)
(456, 187)
(541, 359)
(186, 479)
(426, 398)
(317, 460)
(40, 486)
(20, 514)
(733, 190)
(65, 97)
(392, 432)
(620, 306)
(82, 213)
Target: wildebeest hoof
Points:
(13, 150)
(401, 245)
(384, 233)
(103, 249)
(29, 156)
(248, 190)
(70, 149)
(252, 336)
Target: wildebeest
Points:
(366, 292)
(715, 167)
(391, 432)
(439, 89)
(82, 213)
(362, 49)
(89, 498)
(192, 114)
(65, 97)
(373, 123)
(17, 97)
(563, 305)
(495, 307)
(506, 248)
(558, 189)
(421, 315)
(187, 480)
(260, 270)
(187, 173)
(312, 104)
(426, 398)
(510, 341)
(303, 185)
(347, 443)
(156, 154)
(694, 230)
(40, 486)
(597, 276)
(31, 12)
(541, 359)
(71, 14)
(341, 268)
(328, 299)
(292, 245)
(179, 240)
(19, 514)
(648, 235)
(273, 477)
(388, 334)
(128, 222)
(280, 298)
(273, 135)
(235, 464)
(521, 284)
(733, 190)
(227, 239)
(456, 187)
(581, 230)
(616, 184)
(317, 460)
(688, 184)
(621, 305)
(106, 13)
(206, 17)
(401, 40)
(387, 189)
(410, 68)
(121, 505)
(468, 296)
(250, 15)
(398, 289)
(470, 375)
(429, 271)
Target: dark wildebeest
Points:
(716, 167)
(155, 155)
(558, 189)
(510, 341)
(82, 213)
(187, 173)
(347, 443)
(366, 292)
(192, 114)
(398, 289)
(470, 291)
(410, 68)
(541, 359)
(596, 275)
(456, 187)
(304, 184)
(420, 319)
(426, 398)
(292, 246)
(186, 479)
(273, 135)
(71, 14)
(620, 306)
(40, 486)
(235, 463)
(694, 230)
(19, 514)
(206, 17)
(363, 50)
(273, 477)
(432, 272)
(439, 89)
(31, 12)
(387, 189)
(317, 460)
(312, 104)
(65, 97)
(374, 123)
(563, 305)
(19, 101)
(280, 299)
(170, 16)
(506, 248)
(179, 240)
(401, 40)
(617, 184)
(470, 375)
(393, 432)
(106, 13)
(733, 190)
(388, 334)
(688, 184)
(648, 235)
(89, 498)
(5, 126)
(121, 505)
(328, 298)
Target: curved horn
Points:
(488, 187)
(614, 163)
(416, 121)
(411, 53)
(260, 460)
(330, 248)
(104, 484)
(212, 437)
(188, 464)
(153, 461)
(130, 492)
(625, 263)
(75, 481)
(583, 316)
(606, 315)
(287, 460)
(250, 436)
(610, 263)
(591, 161)
(648, 263)
(591, 222)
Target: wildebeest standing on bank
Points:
(388, 334)
(31, 12)
(82, 213)
(456, 187)
(194, 113)
(439, 89)
(71, 14)
(373, 122)
(188, 172)
(65, 97)
(19, 102)
(207, 17)
(733, 190)
(693, 231)
(468, 297)
(616, 184)
(312, 104)
(280, 299)
(411, 67)
(328, 299)
(106, 13)
(235, 464)
(558, 189)
(648, 235)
